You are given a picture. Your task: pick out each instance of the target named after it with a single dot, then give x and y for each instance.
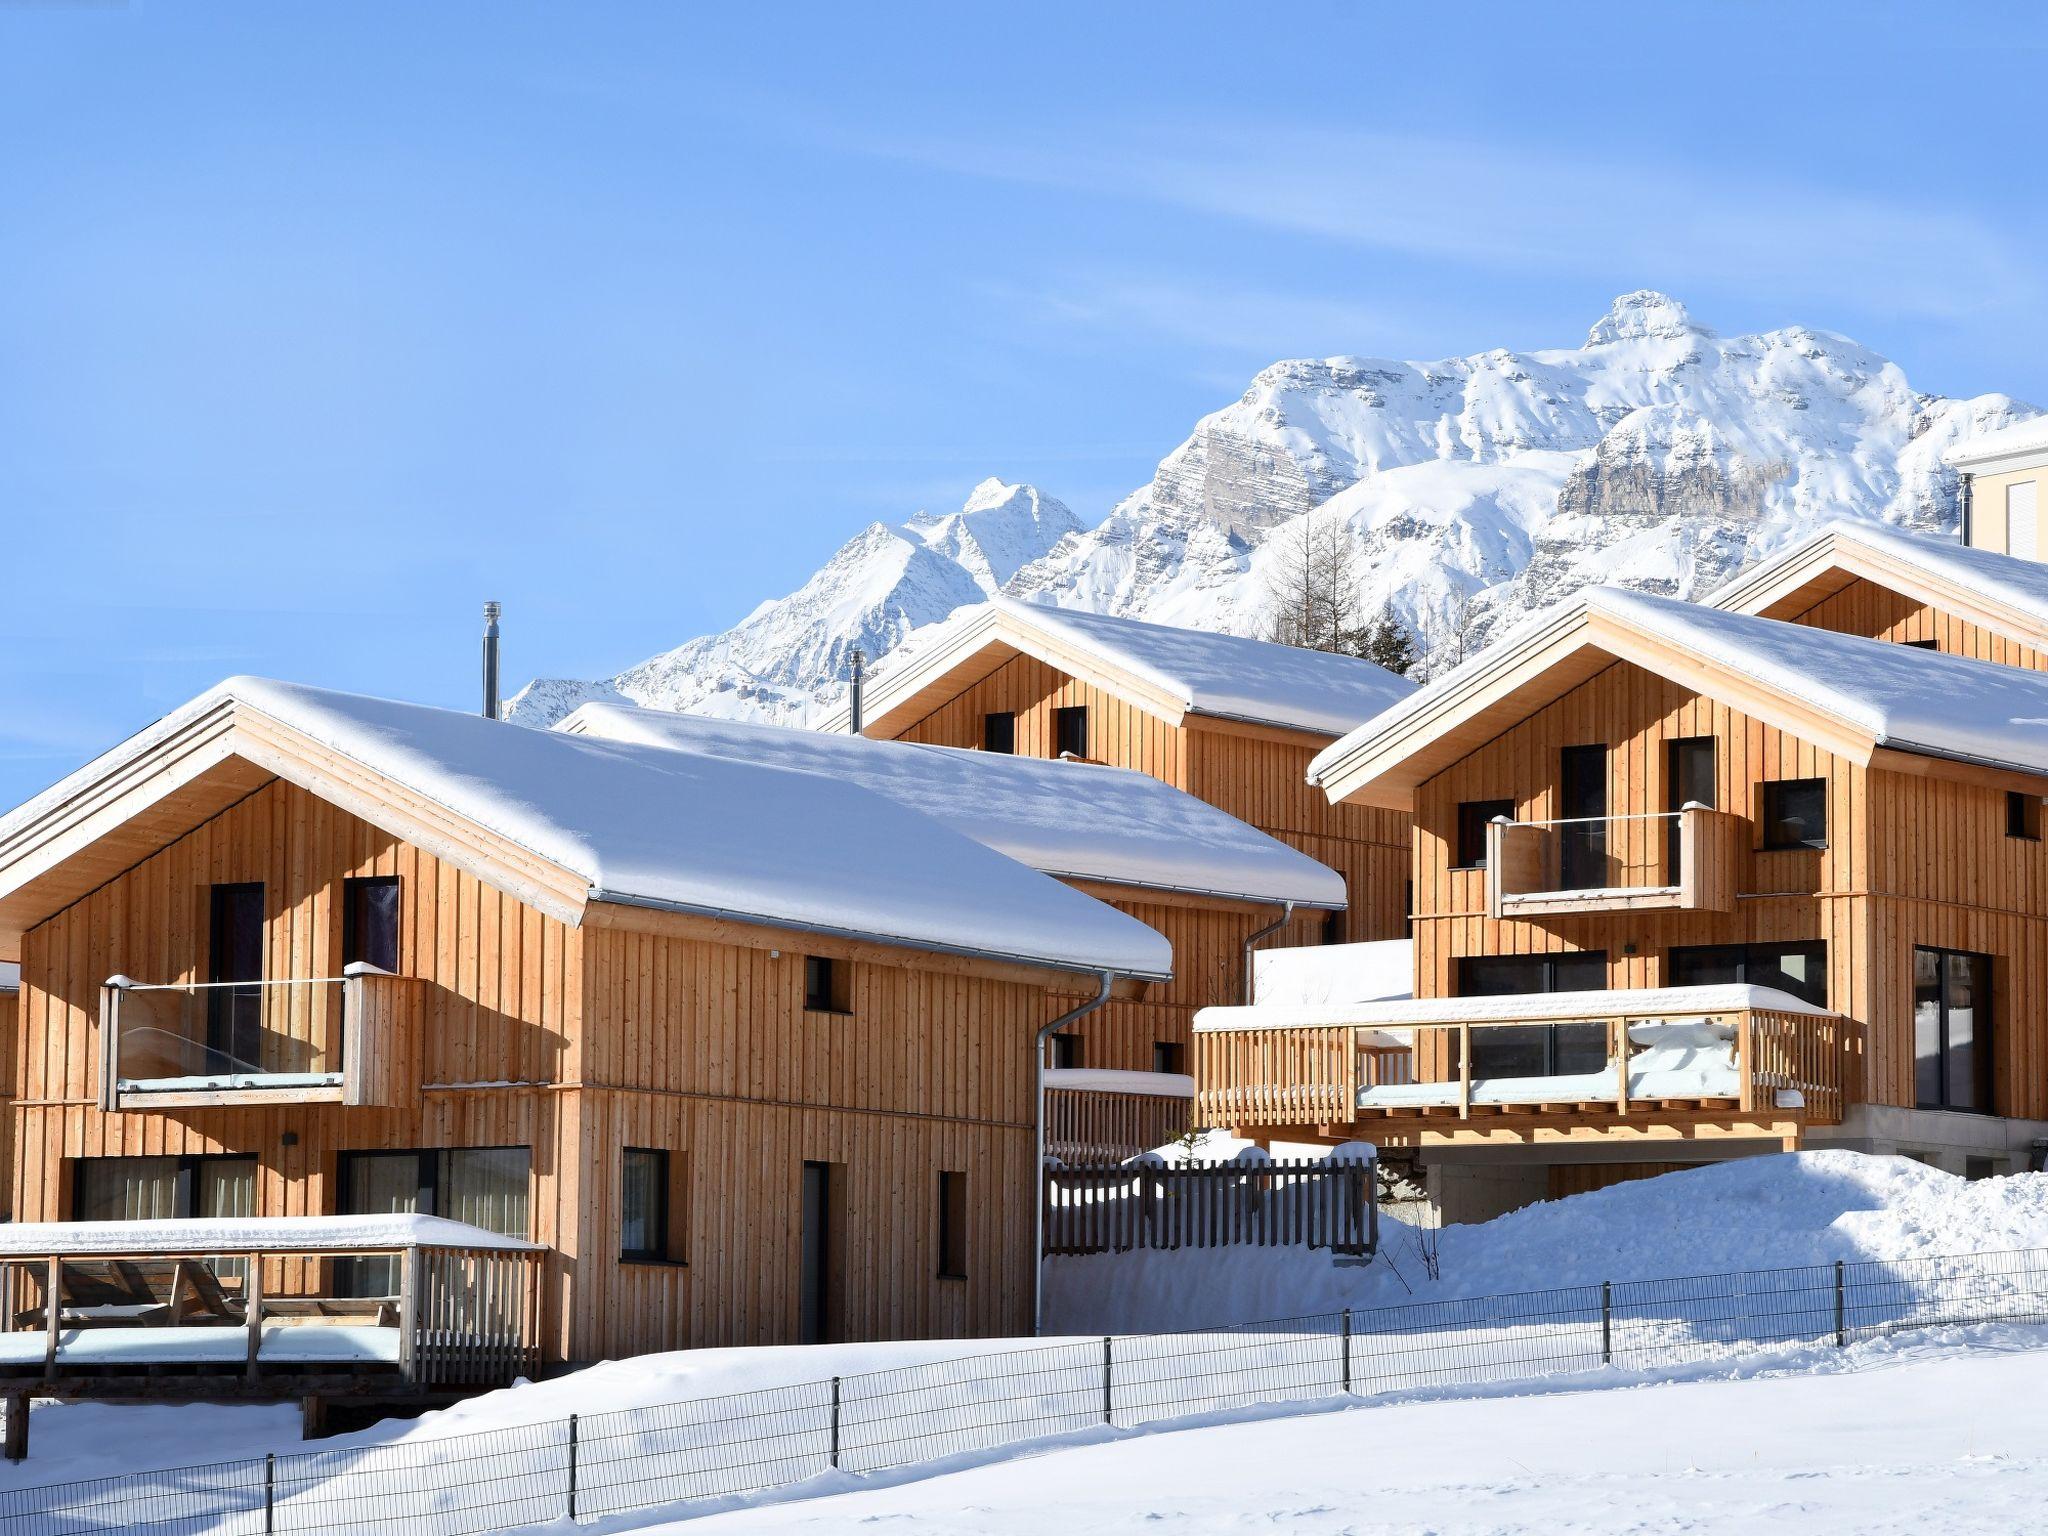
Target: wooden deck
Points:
(1319, 1082)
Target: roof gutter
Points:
(1243, 897)
(827, 930)
(1045, 1032)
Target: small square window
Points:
(999, 732)
(1070, 731)
(1474, 817)
(1066, 1050)
(2023, 816)
(1795, 813)
(1167, 1056)
(828, 985)
(952, 1226)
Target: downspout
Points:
(1286, 916)
(1038, 1170)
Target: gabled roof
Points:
(561, 821)
(2007, 448)
(1999, 592)
(1849, 695)
(1070, 820)
(1169, 672)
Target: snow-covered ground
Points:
(1941, 1435)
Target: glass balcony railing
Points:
(211, 1036)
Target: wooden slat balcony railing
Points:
(1678, 861)
(1684, 1054)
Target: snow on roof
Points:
(1067, 819)
(696, 833)
(2021, 585)
(1229, 675)
(248, 1234)
(2021, 438)
(1898, 696)
(1617, 1003)
(1903, 696)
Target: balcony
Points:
(326, 1040)
(1672, 861)
(1669, 1064)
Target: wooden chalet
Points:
(1120, 1078)
(1626, 810)
(749, 1053)
(1229, 720)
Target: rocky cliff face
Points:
(1656, 454)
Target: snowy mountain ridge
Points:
(1657, 454)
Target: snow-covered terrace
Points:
(1753, 1053)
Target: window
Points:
(369, 922)
(648, 1204)
(1795, 813)
(1921, 645)
(1951, 1030)
(1166, 1056)
(953, 1226)
(234, 1004)
(1582, 801)
(162, 1188)
(2023, 816)
(1066, 1050)
(1333, 927)
(1975, 1168)
(1535, 1050)
(1689, 779)
(2020, 519)
(828, 985)
(487, 1187)
(1474, 817)
(999, 732)
(1800, 969)
(1070, 731)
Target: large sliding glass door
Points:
(1535, 1050)
(1952, 1035)
(484, 1186)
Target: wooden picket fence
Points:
(1309, 1202)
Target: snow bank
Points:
(1752, 1213)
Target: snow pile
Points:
(1768, 1212)
(1312, 976)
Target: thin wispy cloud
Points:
(1500, 205)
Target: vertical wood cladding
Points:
(1865, 608)
(578, 1043)
(1910, 861)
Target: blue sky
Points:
(321, 324)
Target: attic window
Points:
(828, 985)
(999, 732)
(1070, 731)
(1795, 813)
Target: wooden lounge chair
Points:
(133, 1293)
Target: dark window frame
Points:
(431, 1175)
(1474, 817)
(2022, 816)
(953, 1224)
(663, 1249)
(1984, 1037)
(355, 886)
(999, 731)
(1063, 1050)
(1771, 817)
(1169, 1056)
(1070, 730)
(1743, 958)
(1550, 965)
(189, 1165)
(234, 1004)
(1921, 645)
(828, 985)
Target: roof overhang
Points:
(1790, 583)
(132, 802)
(1385, 762)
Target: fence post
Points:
(1347, 1351)
(572, 1466)
(1841, 1310)
(1108, 1402)
(269, 1492)
(1607, 1322)
(835, 1423)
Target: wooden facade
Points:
(632, 1029)
(1257, 774)
(1868, 608)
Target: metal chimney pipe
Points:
(491, 612)
(853, 721)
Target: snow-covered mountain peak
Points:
(1643, 315)
(998, 530)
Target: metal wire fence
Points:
(591, 1466)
